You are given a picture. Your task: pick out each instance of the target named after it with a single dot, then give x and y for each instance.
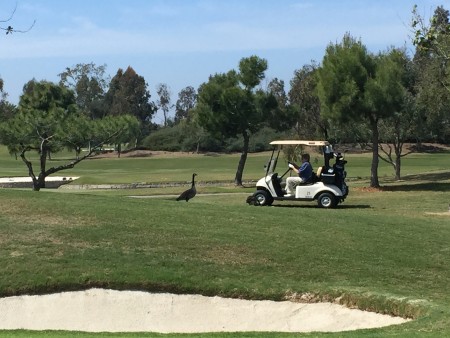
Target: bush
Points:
(259, 141)
(185, 137)
(165, 139)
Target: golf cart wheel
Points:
(262, 197)
(326, 200)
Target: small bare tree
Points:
(9, 29)
(163, 102)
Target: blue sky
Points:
(182, 42)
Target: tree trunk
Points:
(43, 158)
(240, 170)
(398, 164)
(39, 182)
(374, 168)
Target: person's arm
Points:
(293, 166)
(303, 167)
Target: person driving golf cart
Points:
(327, 187)
(305, 172)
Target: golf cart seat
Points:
(313, 179)
(319, 171)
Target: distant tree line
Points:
(379, 100)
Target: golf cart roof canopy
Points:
(300, 142)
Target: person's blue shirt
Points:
(305, 171)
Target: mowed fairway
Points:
(386, 251)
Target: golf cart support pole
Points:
(272, 162)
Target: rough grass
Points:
(383, 250)
(366, 254)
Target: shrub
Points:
(166, 139)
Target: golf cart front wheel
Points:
(326, 200)
(262, 197)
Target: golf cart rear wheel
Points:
(326, 200)
(262, 197)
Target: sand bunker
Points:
(26, 182)
(97, 310)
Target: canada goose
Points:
(190, 193)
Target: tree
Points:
(434, 37)
(90, 84)
(187, 99)
(193, 134)
(306, 104)
(9, 29)
(79, 132)
(106, 129)
(163, 102)
(7, 109)
(46, 121)
(355, 85)
(433, 74)
(395, 131)
(230, 105)
(128, 94)
(402, 125)
(282, 117)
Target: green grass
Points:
(209, 167)
(385, 251)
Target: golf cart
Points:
(327, 186)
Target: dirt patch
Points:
(348, 148)
(407, 147)
(147, 153)
(368, 189)
(439, 213)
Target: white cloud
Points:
(202, 26)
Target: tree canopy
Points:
(229, 104)
(47, 121)
(305, 104)
(355, 85)
(353, 95)
(432, 69)
(128, 94)
(187, 99)
(90, 83)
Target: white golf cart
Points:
(327, 186)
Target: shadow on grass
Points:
(429, 176)
(426, 182)
(430, 148)
(355, 206)
(314, 206)
(427, 186)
